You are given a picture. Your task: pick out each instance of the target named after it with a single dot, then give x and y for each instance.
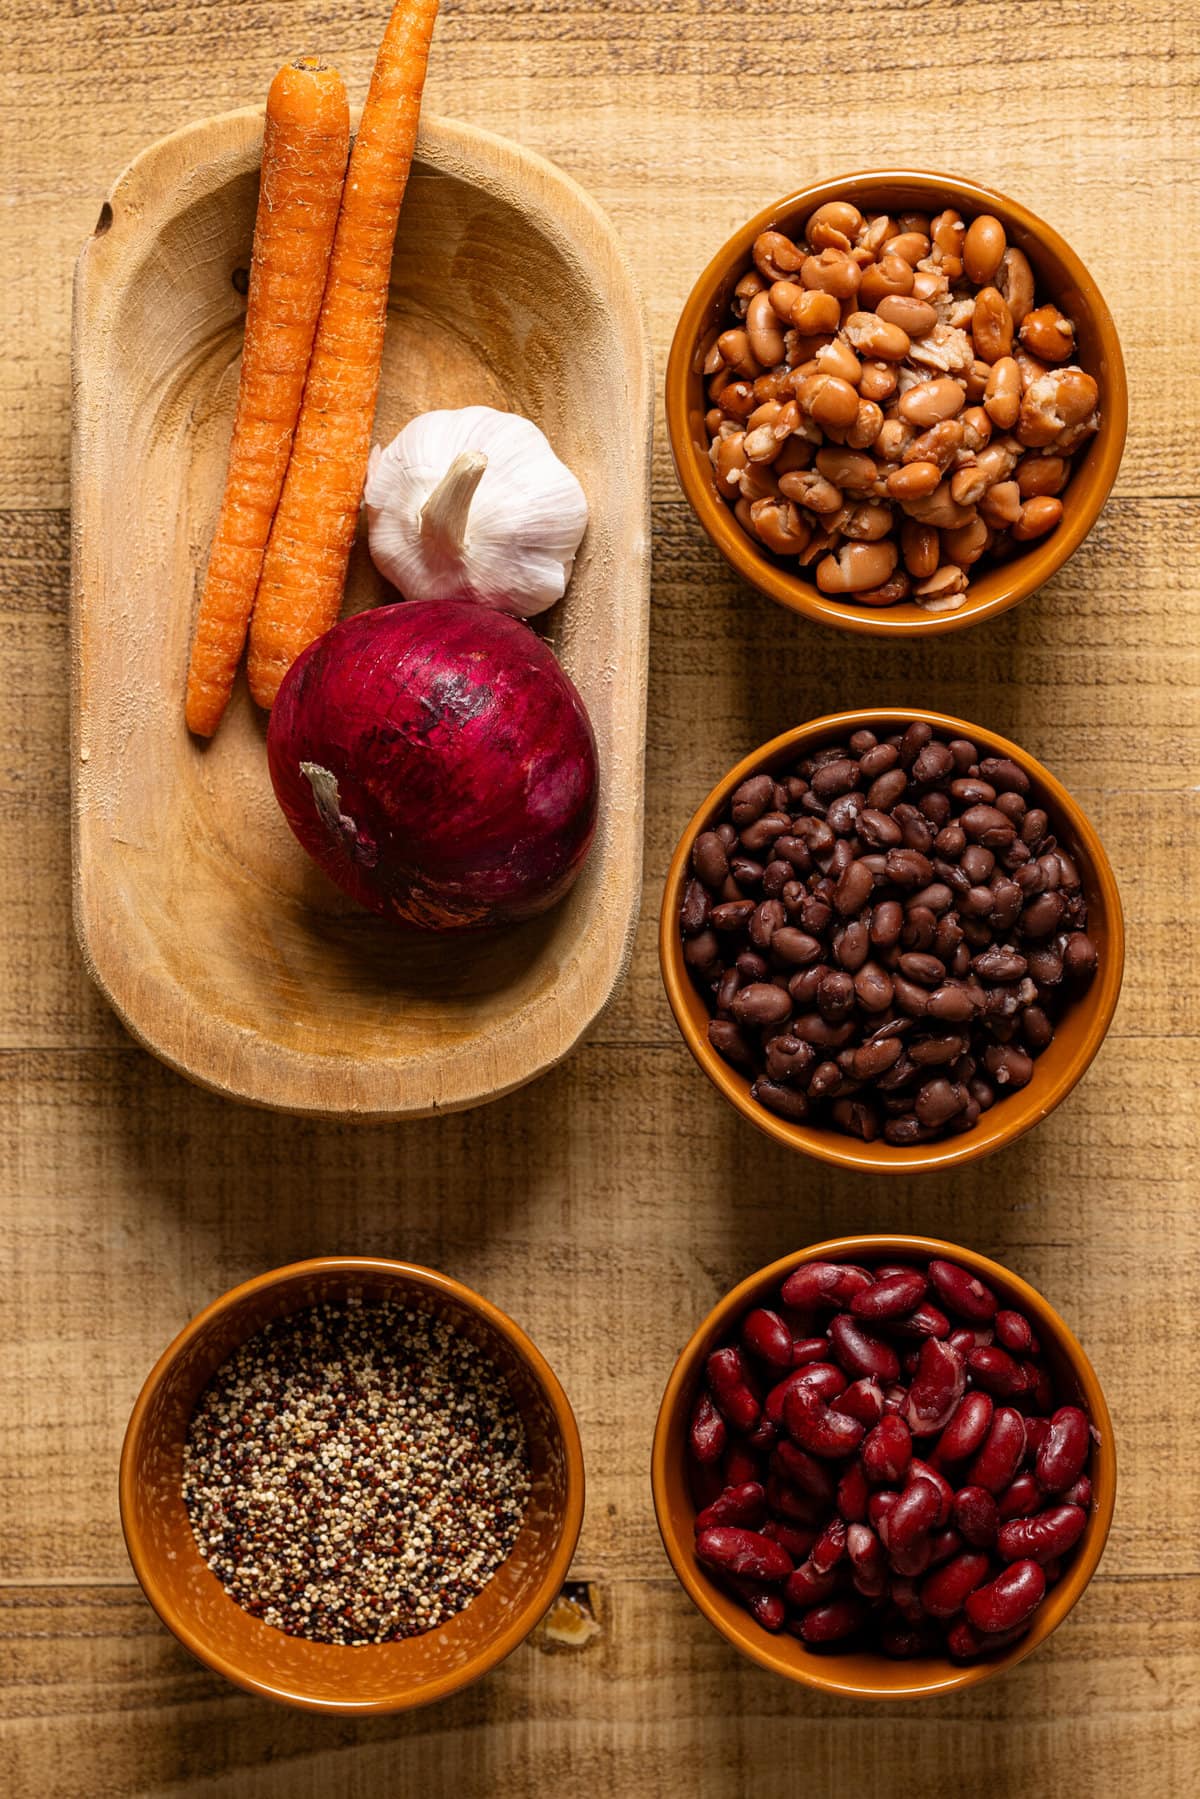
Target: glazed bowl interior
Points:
(1060, 277)
(858, 1673)
(1077, 1036)
(328, 1677)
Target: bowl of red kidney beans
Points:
(884, 1467)
(892, 939)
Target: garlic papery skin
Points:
(474, 504)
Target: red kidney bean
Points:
(767, 1337)
(786, 1501)
(707, 1435)
(726, 1374)
(1061, 1458)
(1014, 1333)
(887, 1451)
(808, 1587)
(1042, 1538)
(962, 1293)
(811, 1423)
(744, 1552)
(740, 1465)
(863, 1399)
(915, 1560)
(833, 1621)
(944, 1591)
(891, 1296)
(865, 1552)
(924, 1321)
(944, 1544)
(966, 1429)
(920, 1470)
(880, 1507)
(746, 1505)
(1080, 1494)
(853, 1494)
(975, 1516)
(902, 1641)
(705, 1482)
(997, 1372)
(829, 1547)
(766, 1607)
(803, 1470)
(965, 1643)
(914, 1515)
(936, 1390)
(1007, 1601)
(965, 1340)
(1039, 1389)
(808, 1349)
(822, 1378)
(860, 1353)
(1036, 1432)
(824, 1284)
(1021, 1497)
(997, 1462)
(793, 1537)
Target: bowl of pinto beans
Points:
(896, 402)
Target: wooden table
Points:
(607, 1207)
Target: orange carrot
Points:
(304, 572)
(305, 143)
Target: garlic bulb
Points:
(474, 504)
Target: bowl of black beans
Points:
(892, 939)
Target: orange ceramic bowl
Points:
(1076, 1039)
(1060, 277)
(858, 1673)
(325, 1677)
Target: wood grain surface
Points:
(608, 1205)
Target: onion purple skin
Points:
(464, 762)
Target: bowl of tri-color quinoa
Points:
(352, 1485)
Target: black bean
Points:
(887, 921)
(939, 1099)
(751, 800)
(1033, 826)
(951, 1003)
(763, 832)
(795, 947)
(1080, 957)
(914, 740)
(703, 953)
(950, 842)
(853, 890)
(964, 752)
(886, 789)
(751, 967)
(731, 915)
(835, 778)
(908, 868)
(856, 1118)
(970, 792)
(746, 871)
(987, 826)
(1004, 775)
(761, 1004)
(852, 945)
(709, 859)
(934, 1051)
(879, 829)
(776, 876)
(836, 995)
(912, 1000)
(874, 1059)
(1007, 1065)
(1000, 964)
(873, 986)
(728, 1041)
(1041, 916)
(693, 914)
(785, 1101)
(788, 1059)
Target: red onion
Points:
(437, 763)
